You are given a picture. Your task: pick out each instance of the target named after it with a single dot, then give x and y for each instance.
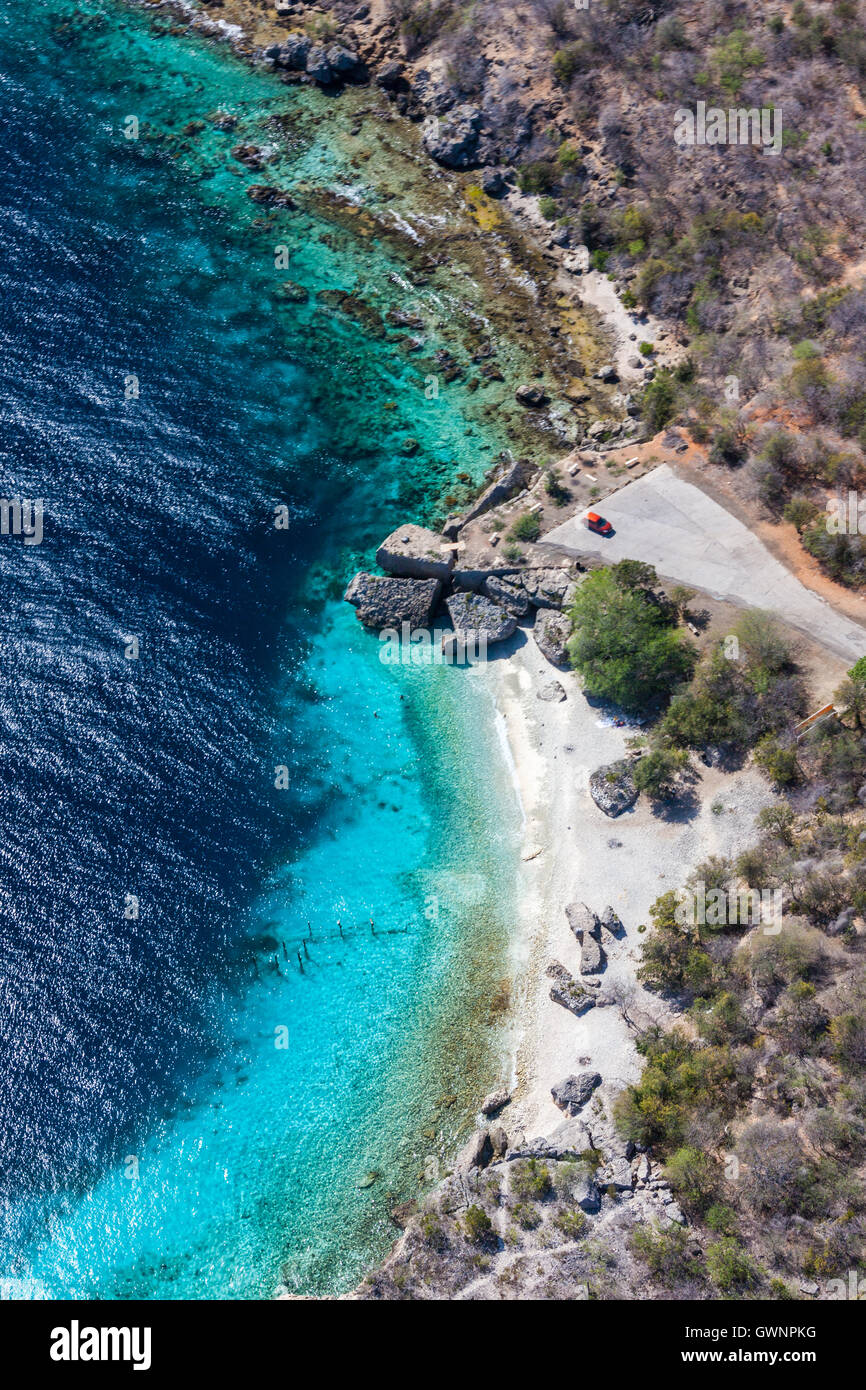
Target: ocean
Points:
(256, 886)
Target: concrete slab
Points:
(690, 539)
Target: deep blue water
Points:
(157, 1139)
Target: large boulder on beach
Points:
(612, 788)
(479, 620)
(452, 139)
(494, 1102)
(587, 928)
(582, 920)
(512, 597)
(568, 991)
(552, 631)
(552, 692)
(572, 1094)
(611, 923)
(592, 957)
(382, 602)
(416, 553)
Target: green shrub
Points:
(526, 1216)
(526, 528)
(478, 1226)
(693, 1175)
(801, 512)
(721, 1219)
(730, 1267)
(572, 1223)
(530, 1180)
(658, 773)
(558, 494)
(537, 177)
(665, 1253)
(778, 762)
(658, 403)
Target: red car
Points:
(598, 524)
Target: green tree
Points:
(850, 700)
(624, 644)
(658, 772)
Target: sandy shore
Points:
(571, 851)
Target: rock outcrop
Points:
(452, 139)
(382, 602)
(549, 588)
(477, 1153)
(511, 478)
(612, 788)
(416, 553)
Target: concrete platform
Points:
(690, 539)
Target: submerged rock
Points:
(531, 396)
(572, 1094)
(416, 553)
(383, 602)
(293, 292)
(552, 631)
(612, 788)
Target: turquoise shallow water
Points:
(185, 1111)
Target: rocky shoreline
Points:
(480, 597)
(591, 391)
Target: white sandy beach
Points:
(585, 856)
